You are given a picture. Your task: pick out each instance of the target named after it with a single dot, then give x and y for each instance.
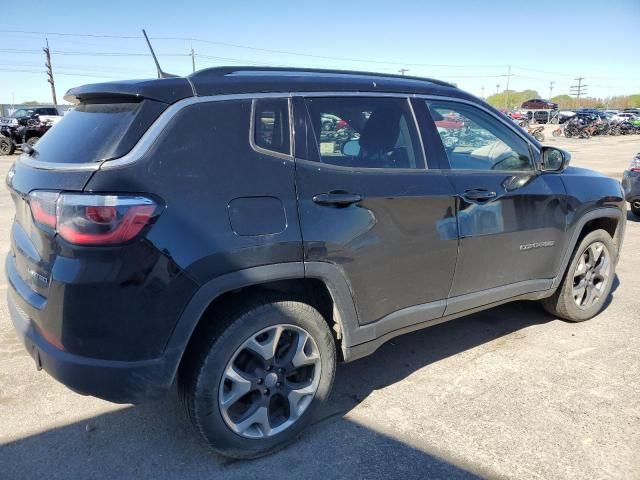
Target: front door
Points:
(511, 217)
(369, 204)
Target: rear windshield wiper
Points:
(29, 150)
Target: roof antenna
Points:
(161, 74)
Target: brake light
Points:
(43, 208)
(635, 164)
(95, 219)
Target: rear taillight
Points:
(95, 219)
(43, 208)
(635, 164)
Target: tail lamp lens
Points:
(93, 219)
(43, 208)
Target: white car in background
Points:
(619, 117)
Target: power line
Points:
(578, 89)
(284, 52)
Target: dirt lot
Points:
(508, 393)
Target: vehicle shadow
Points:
(154, 440)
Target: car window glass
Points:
(365, 132)
(475, 140)
(271, 125)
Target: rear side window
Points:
(363, 132)
(95, 132)
(271, 125)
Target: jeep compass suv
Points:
(217, 231)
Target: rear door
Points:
(372, 206)
(511, 217)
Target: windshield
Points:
(97, 131)
(21, 113)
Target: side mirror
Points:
(554, 159)
(351, 148)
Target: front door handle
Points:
(479, 194)
(338, 199)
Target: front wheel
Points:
(588, 280)
(257, 377)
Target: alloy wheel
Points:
(270, 381)
(591, 275)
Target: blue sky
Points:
(470, 43)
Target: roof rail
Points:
(222, 71)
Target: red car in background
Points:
(539, 104)
(450, 122)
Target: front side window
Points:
(271, 125)
(475, 140)
(365, 132)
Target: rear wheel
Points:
(32, 141)
(7, 147)
(635, 210)
(588, 280)
(255, 381)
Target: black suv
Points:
(23, 114)
(242, 229)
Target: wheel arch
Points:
(609, 219)
(324, 286)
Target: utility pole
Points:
(506, 102)
(550, 89)
(47, 64)
(497, 88)
(578, 89)
(402, 71)
(193, 60)
(482, 93)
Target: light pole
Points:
(497, 88)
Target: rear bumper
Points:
(115, 381)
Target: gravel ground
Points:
(507, 393)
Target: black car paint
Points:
(114, 322)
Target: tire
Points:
(539, 137)
(557, 132)
(567, 133)
(32, 141)
(635, 211)
(226, 347)
(7, 147)
(563, 303)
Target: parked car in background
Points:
(635, 111)
(622, 116)
(564, 115)
(539, 104)
(631, 185)
(23, 114)
(206, 230)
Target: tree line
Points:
(513, 100)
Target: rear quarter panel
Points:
(205, 171)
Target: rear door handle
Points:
(479, 194)
(339, 199)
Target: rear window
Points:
(94, 132)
